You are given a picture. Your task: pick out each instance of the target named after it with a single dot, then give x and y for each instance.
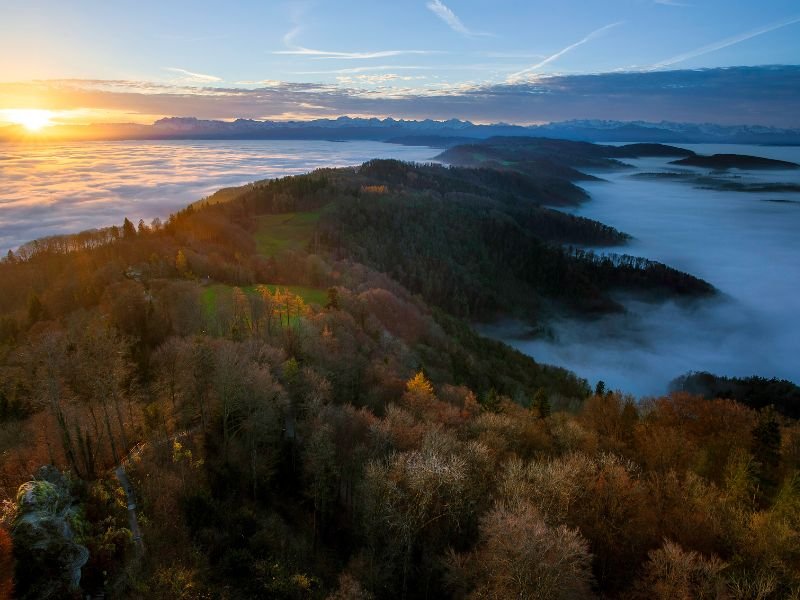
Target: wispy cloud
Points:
(438, 8)
(293, 49)
(736, 39)
(515, 77)
(511, 55)
(671, 3)
(375, 79)
(329, 54)
(270, 83)
(190, 77)
(367, 69)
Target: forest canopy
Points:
(278, 392)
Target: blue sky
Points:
(386, 49)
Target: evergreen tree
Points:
(128, 230)
(36, 310)
(333, 299)
(766, 447)
(491, 401)
(541, 403)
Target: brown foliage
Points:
(520, 556)
(672, 573)
(6, 566)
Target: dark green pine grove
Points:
(287, 375)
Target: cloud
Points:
(750, 328)
(438, 8)
(367, 69)
(725, 43)
(107, 183)
(329, 54)
(293, 49)
(672, 3)
(190, 77)
(514, 77)
(262, 82)
(766, 96)
(375, 79)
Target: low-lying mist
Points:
(58, 188)
(746, 247)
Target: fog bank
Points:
(60, 188)
(745, 244)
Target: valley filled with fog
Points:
(58, 188)
(744, 243)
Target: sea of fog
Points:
(48, 189)
(745, 244)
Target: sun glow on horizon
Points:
(32, 119)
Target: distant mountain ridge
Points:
(422, 132)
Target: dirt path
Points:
(133, 522)
(130, 496)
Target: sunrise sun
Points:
(32, 119)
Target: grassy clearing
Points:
(212, 295)
(209, 298)
(285, 231)
(309, 295)
(219, 314)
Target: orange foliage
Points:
(419, 385)
(718, 427)
(374, 189)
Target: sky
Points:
(136, 61)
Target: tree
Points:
(181, 264)
(600, 388)
(333, 299)
(541, 403)
(48, 358)
(259, 422)
(128, 230)
(166, 361)
(767, 448)
(671, 573)
(102, 375)
(420, 501)
(36, 310)
(319, 463)
(491, 400)
(228, 388)
(520, 556)
(419, 384)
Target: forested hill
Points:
(547, 156)
(482, 252)
(310, 413)
(477, 242)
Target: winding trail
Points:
(130, 496)
(133, 522)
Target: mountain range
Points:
(424, 132)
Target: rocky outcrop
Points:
(47, 524)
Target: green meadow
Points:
(285, 231)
